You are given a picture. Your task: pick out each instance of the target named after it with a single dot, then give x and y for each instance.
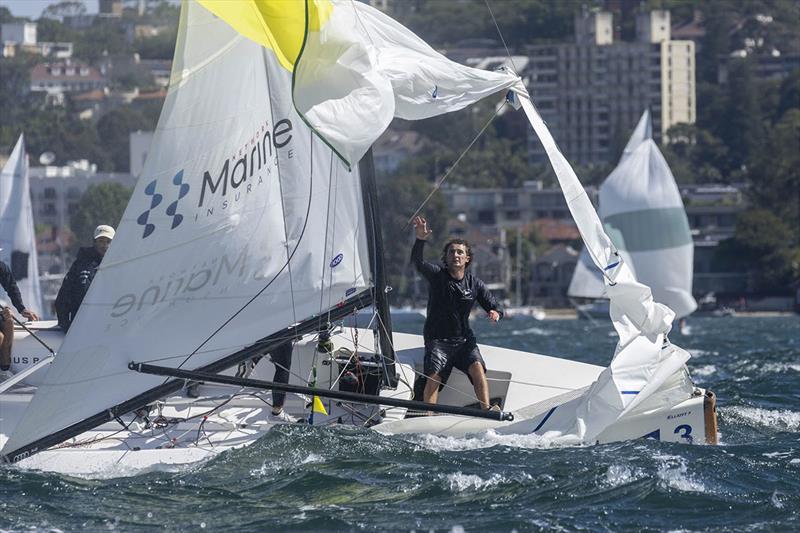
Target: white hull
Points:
(535, 387)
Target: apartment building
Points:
(592, 92)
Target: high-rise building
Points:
(592, 93)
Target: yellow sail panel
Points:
(278, 25)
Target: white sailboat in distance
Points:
(643, 213)
(17, 233)
(254, 222)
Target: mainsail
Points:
(17, 234)
(243, 223)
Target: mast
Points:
(369, 189)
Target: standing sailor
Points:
(81, 273)
(9, 284)
(449, 341)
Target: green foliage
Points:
(161, 46)
(114, 130)
(103, 203)
(762, 246)
(104, 37)
(399, 197)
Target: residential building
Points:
(64, 77)
(23, 33)
(395, 146)
(592, 93)
(55, 191)
(509, 207)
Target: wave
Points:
(780, 419)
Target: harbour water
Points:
(305, 478)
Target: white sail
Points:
(17, 232)
(242, 224)
(587, 280)
(642, 361)
(643, 213)
(642, 132)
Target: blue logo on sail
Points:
(155, 201)
(336, 260)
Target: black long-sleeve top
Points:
(75, 285)
(450, 300)
(9, 285)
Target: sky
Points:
(33, 8)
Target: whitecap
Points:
(705, 370)
(697, 352)
(488, 439)
(533, 331)
(459, 482)
(618, 475)
(777, 419)
(673, 473)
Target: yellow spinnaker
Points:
(279, 25)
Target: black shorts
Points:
(441, 355)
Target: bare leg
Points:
(479, 382)
(431, 393)
(6, 338)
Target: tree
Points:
(762, 246)
(103, 203)
(114, 130)
(399, 196)
(66, 8)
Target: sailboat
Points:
(17, 234)
(643, 213)
(254, 222)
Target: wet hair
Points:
(457, 241)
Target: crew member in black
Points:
(449, 341)
(80, 275)
(9, 285)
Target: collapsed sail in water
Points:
(643, 213)
(17, 233)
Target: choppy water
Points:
(303, 478)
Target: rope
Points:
(450, 170)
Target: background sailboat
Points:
(643, 213)
(17, 233)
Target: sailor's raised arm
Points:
(422, 232)
(489, 303)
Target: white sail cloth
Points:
(361, 69)
(642, 361)
(17, 232)
(242, 223)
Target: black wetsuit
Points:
(76, 284)
(9, 284)
(449, 341)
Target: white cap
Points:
(104, 231)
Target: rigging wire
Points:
(500, 34)
(454, 165)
